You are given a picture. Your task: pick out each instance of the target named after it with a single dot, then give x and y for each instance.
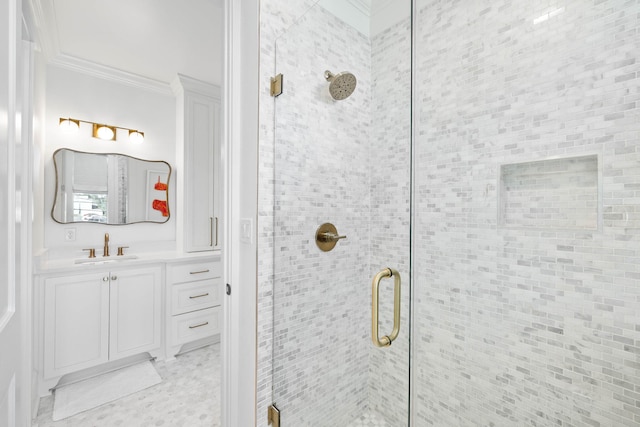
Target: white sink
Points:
(108, 260)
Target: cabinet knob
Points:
(105, 279)
(114, 277)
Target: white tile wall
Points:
(275, 18)
(321, 163)
(550, 194)
(512, 326)
(525, 326)
(390, 215)
(324, 160)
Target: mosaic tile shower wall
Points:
(275, 18)
(323, 172)
(390, 181)
(321, 175)
(535, 325)
(530, 324)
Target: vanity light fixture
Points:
(104, 132)
(101, 131)
(136, 136)
(69, 124)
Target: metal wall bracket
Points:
(273, 416)
(276, 85)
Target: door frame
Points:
(240, 169)
(17, 128)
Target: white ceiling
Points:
(146, 41)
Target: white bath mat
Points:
(93, 392)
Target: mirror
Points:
(109, 188)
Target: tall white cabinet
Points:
(198, 151)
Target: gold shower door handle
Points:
(386, 340)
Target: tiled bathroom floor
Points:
(187, 396)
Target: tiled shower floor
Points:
(187, 396)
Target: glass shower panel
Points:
(345, 162)
(527, 214)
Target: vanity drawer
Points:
(195, 325)
(195, 271)
(191, 296)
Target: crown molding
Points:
(45, 19)
(109, 73)
(182, 83)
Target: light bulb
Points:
(104, 132)
(69, 125)
(136, 137)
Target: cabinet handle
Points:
(199, 296)
(199, 272)
(199, 326)
(210, 231)
(105, 279)
(216, 232)
(114, 277)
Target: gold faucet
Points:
(106, 244)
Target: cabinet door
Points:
(76, 323)
(201, 144)
(135, 312)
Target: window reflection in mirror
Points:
(109, 188)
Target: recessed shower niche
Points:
(550, 194)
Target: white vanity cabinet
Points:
(198, 150)
(98, 317)
(194, 298)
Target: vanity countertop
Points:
(43, 265)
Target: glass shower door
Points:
(342, 156)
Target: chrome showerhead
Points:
(341, 85)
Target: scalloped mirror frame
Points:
(164, 190)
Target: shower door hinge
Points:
(276, 85)
(274, 416)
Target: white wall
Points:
(88, 98)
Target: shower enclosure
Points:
(487, 153)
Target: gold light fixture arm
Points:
(386, 340)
